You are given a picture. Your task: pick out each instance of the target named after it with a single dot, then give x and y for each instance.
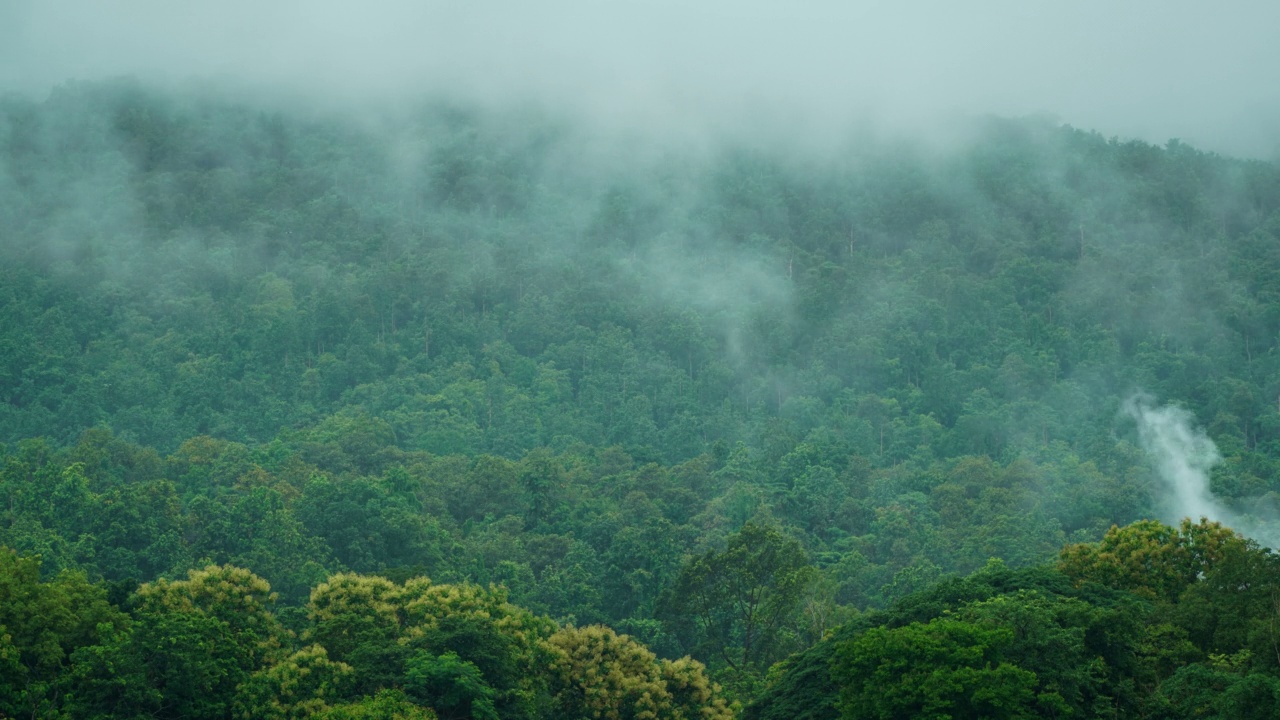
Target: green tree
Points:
(598, 674)
(41, 626)
(299, 686)
(199, 639)
(941, 670)
(360, 621)
(385, 705)
(742, 600)
(453, 687)
(1202, 691)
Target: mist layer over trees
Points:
(733, 400)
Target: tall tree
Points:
(742, 598)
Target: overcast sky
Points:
(1208, 73)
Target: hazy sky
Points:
(1208, 73)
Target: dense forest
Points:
(459, 411)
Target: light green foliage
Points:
(348, 610)
(360, 621)
(1216, 586)
(1153, 559)
(302, 685)
(385, 705)
(201, 638)
(233, 596)
(457, 636)
(600, 675)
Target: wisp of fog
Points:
(1184, 456)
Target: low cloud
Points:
(1184, 456)
(1154, 70)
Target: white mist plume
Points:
(1183, 455)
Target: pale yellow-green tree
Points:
(481, 627)
(377, 626)
(1150, 558)
(384, 705)
(692, 693)
(348, 610)
(200, 638)
(231, 594)
(300, 686)
(597, 674)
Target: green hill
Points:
(722, 397)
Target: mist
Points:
(881, 274)
(1151, 70)
(1184, 457)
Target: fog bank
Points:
(1153, 70)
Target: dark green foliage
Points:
(455, 688)
(741, 600)
(1197, 691)
(1057, 632)
(1040, 642)
(943, 669)
(111, 679)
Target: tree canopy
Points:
(462, 411)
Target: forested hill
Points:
(494, 283)
(616, 376)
